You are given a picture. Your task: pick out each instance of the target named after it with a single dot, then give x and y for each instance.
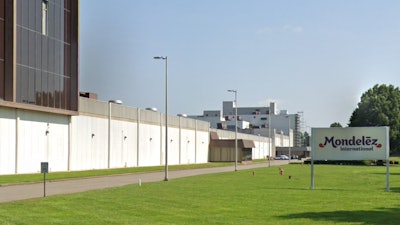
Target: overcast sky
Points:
(315, 57)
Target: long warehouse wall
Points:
(104, 135)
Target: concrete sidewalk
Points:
(28, 191)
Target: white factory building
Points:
(255, 120)
(105, 135)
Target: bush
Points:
(343, 162)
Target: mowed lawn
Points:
(342, 195)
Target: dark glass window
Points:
(2, 83)
(38, 88)
(2, 9)
(67, 60)
(46, 69)
(51, 56)
(23, 82)
(62, 94)
(19, 13)
(57, 92)
(67, 92)
(67, 28)
(51, 20)
(32, 14)
(32, 49)
(45, 53)
(1, 40)
(25, 12)
(31, 86)
(23, 48)
(67, 4)
(57, 22)
(57, 51)
(38, 53)
(45, 95)
(38, 19)
(19, 45)
(50, 89)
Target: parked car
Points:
(281, 157)
(285, 157)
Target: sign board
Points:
(44, 167)
(351, 143)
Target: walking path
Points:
(11, 193)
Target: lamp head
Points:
(159, 57)
(119, 102)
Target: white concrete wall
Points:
(28, 138)
(261, 150)
(188, 146)
(41, 137)
(149, 145)
(71, 143)
(89, 141)
(123, 148)
(7, 140)
(174, 146)
(137, 138)
(202, 143)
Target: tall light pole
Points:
(289, 136)
(236, 124)
(119, 102)
(166, 113)
(270, 136)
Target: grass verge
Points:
(38, 177)
(342, 195)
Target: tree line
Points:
(379, 106)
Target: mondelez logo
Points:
(361, 141)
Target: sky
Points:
(310, 56)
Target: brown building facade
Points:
(39, 55)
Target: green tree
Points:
(306, 138)
(380, 106)
(336, 124)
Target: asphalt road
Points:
(11, 193)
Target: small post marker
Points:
(44, 168)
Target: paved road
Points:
(27, 191)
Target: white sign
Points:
(351, 143)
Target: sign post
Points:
(44, 168)
(350, 143)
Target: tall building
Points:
(255, 120)
(39, 55)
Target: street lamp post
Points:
(119, 102)
(289, 137)
(166, 113)
(270, 137)
(236, 124)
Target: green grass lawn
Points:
(38, 177)
(342, 195)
